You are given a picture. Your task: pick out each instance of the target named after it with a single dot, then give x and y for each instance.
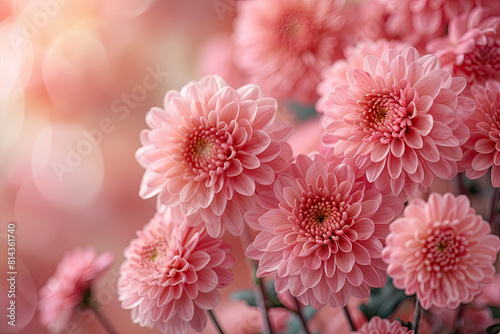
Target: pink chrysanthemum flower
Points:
(472, 48)
(415, 21)
(354, 58)
(284, 44)
(171, 275)
(377, 325)
(400, 119)
(208, 150)
(482, 150)
(419, 21)
(321, 231)
(441, 250)
(76, 275)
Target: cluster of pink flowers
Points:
(327, 225)
(330, 225)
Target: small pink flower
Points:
(209, 149)
(78, 272)
(171, 275)
(377, 325)
(321, 232)
(354, 58)
(241, 318)
(284, 44)
(482, 150)
(400, 119)
(441, 250)
(472, 48)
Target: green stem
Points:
(458, 320)
(349, 319)
(216, 323)
(417, 317)
(459, 185)
(301, 315)
(259, 290)
(263, 301)
(105, 322)
(493, 209)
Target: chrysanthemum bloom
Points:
(400, 119)
(365, 21)
(284, 44)
(209, 148)
(482, 150)
(71, 286)
(354, 58)
(171, 275)
(415, 21)
(377, 325)
(441, 250)
(321, 231)
(472, 48)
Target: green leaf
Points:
(495, 311)
(272, 296)
(309, 312)
(493, 329)
(245, 295)
(405, 323)
(302, 112)
(383, 301)
(294, 326)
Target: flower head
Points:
(383, 326)
(284, 44)
(209, 148)
(400, 119)
(441, 250)
(482, 150)
(321, 231)
(171, 275)
(415, 21)
(336, 74)
(71, 286)
(472, 48)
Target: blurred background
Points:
(76, 80)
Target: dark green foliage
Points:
(493, 329)
(383, 301)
